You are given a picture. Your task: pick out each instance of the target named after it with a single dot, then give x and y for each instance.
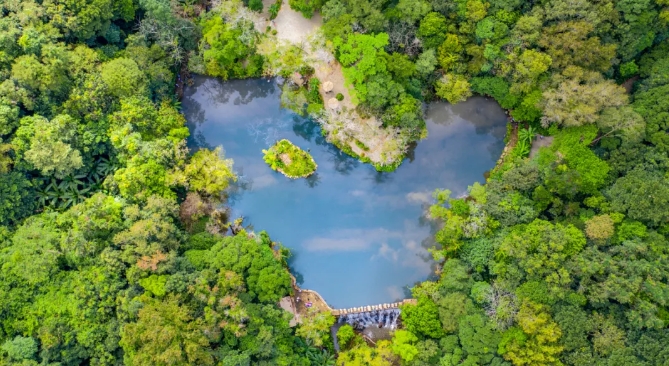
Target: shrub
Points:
(344, 335)
(255, 5)
(314, 108)
(274, 10)
(628, 69)
(339, 96)
(306, 7)
(361, 145)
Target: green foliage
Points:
(426, 62)
(101, 278)
(306, 7)
(289, 160)
(557, 260)
(274, 9)
(208, 172)
(535, 341)
(20, 348)
(642, 195)
(362, 57)
(226, 53)
(403, 345)
(154, 284)
(652, 106)
(529, 110)
(363, 354)
(423, 318)
(497, 88)
(316, 327)
(432, 30)
(579, 99)
(454, 88)
(339, 97)
(526, 134)
(17, 197)
(256, 5)
(345, 334)
(165, 333)
(586, 172)
(51, 149)
(628, 69)
(122, 77)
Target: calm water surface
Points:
(358, 237)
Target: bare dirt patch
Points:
(286, 159)
(539, 143)
(291, 26)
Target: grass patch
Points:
(290, 160)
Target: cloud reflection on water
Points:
(357, 236)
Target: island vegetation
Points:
(113, 248)
(289, 160)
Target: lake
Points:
(358, 237)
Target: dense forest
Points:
(113, 248)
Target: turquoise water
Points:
(358, 237)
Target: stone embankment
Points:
(296, 304)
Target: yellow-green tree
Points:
(535, 340)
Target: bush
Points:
(313, 96)
(339, 96)
(314, 108)
(361, 145)
(306, 7)
(274, 10)
(255, 5)
(497, 88)
(628, 69)
(344, 335)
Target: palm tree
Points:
(321, 358)
(72, 182)
(526, 134)
(103, 168)
(522, 149)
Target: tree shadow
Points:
(411, 152)
(343, 163)
(306, 128)
(299, 278)
(381, 177)
(312, 180)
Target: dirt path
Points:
(341, 120)
(287, 304)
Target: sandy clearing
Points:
(291, 26)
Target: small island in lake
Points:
(290, 160)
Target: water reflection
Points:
(358, 236)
